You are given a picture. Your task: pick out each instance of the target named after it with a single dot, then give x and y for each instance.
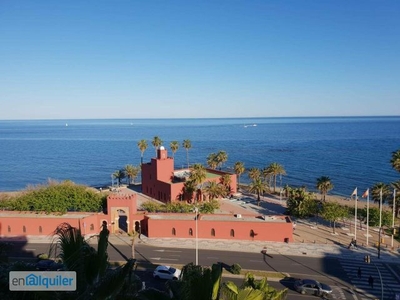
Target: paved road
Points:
(326, 270)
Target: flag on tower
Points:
(366, 194)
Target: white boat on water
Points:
(254, 125)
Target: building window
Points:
(212, 232)
(92, 226)
(190, 231)
(173, 231)
(252, 233)
(9, 228)
(40, 229)
(24, 229)
(232, 233)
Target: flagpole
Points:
(355, 218)
(394, 205)
(380, 224)
(367, 216)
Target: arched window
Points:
(173, 231)
(40, 229)
(91, 226)
(24, 229)
(232, 233)
(190, 231)
(9, 228)
(252, 233)
(212, 232)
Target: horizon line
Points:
(203, 118)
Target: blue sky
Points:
(193, 59)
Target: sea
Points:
(351, 151)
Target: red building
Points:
(161, 181)
(122, 216)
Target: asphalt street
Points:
(326, 270)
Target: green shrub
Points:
(235, 269)
(43, 256)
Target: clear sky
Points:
(194, 59)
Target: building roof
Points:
(220, 217)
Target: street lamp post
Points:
(196, 210)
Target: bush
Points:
(43, 256)
(235, 269)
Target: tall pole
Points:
(355, 219)
(394, 209)
(367, 216)
(197, 245)
(380, 224)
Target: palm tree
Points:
(396, 186)
(197, 175)
(258, 187)
(187, 144)
(376, 192)
(226, 182)
(156, 142)
(197, 283)
(94, 278)
(221, 158)
(239, 170)
(131, 172)
(119, 175)
(254, 173)
(212, 161)
(251, 289)
(214, 190)
(275, 169)
(142, 144)
(395, 161)
(174, 145)
(324, 185)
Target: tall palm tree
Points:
(376, 192)
(221, 158)
(94, 278)
(142, 144)
(395, 161)
(174, 145)
(131, 172)
(212, 161)
(214, 190)
(156, 142)
(187, 144)
(226, 182)
(258, 187)
(396, 186)
(324, 185)
(239, 170)
(119, 175)
(254, 173)
(197, 175)
(275, 169)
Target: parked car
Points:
(312, 287)
(166, 272)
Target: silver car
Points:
(166, 272)
(312, 287)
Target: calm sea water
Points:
(353, 152)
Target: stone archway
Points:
(122, 220)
